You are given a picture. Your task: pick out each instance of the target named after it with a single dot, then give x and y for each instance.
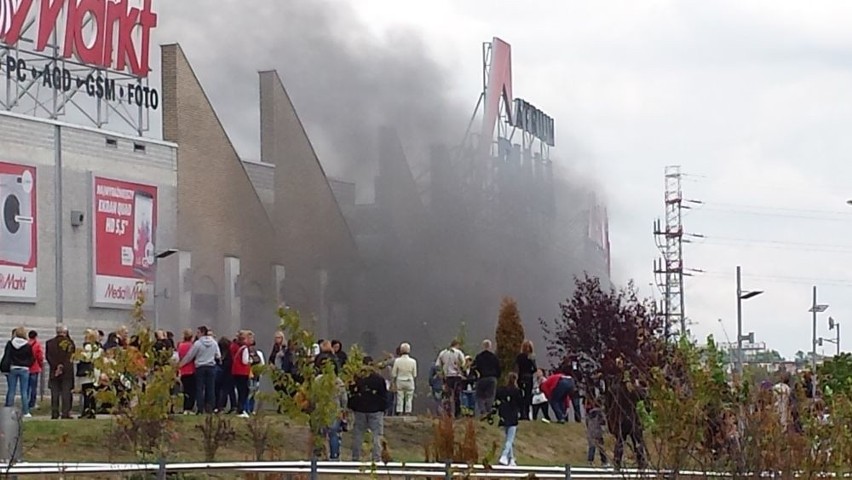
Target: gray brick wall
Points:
(262, 176)
(31, 141)
(220, 212)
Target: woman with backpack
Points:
(16, 363)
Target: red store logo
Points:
(115, 24)
(114, 292)
(13, 282)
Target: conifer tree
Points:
(510, 334)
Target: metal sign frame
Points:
(31, 97)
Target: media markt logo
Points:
(111, 37)
(8, 10)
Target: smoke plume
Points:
(346, 84)
(345, 81)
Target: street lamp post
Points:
(832, 325)
(742, 295)
(157, 258)
(815, 308)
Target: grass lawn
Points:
(89, 441)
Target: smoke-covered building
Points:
(491, 219)
(94, 217)
(253, 234)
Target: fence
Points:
(314, 469)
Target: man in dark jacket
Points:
(59, 352)
(326, 355)
(368, 398)
(486, 366)
(341, 355)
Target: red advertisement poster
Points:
(18, 232)
(125, 228)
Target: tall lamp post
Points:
(815, 309)
(157, 257)
(742, 295)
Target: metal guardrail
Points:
(313, 468)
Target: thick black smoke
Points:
(346, 85)
(344, 80)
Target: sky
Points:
(752, 100)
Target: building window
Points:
(138, 148)
(112, 143)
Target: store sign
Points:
(533, 121)
(125, 226)
(110, 36)
(18, 232)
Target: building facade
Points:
(65, 249)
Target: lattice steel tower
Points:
(669, 270)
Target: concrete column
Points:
(183, 297)
(11, 443)
(279, 274)
(323, 313)
(232, 293)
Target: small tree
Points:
(617, 339)
(835, 375)
(138, 382)
(609, 332)
(509, 335)
(309, 397)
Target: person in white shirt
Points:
(403, 375)
(451, 364)
(781, 393)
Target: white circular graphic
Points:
(149, 254)
(27, 181)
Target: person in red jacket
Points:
(36, 367)
(187, 372)
(241, 370)
(558, 388)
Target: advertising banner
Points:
(18, 232)
(125, 228)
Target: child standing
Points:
(509, 403)
(539, 399)
(594, 431)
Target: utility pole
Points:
(815, 308)
(670, 242)
(813, 351)
(742, 295)
(834, 324)
(739, 323)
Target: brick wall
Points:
(220, 214)
(307, 217)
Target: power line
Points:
(713, 240)
(771, 211)
(777, 186)
(847, 213)
(785, 278)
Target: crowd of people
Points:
(214, 375)
(218, 375)
(462, 385)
